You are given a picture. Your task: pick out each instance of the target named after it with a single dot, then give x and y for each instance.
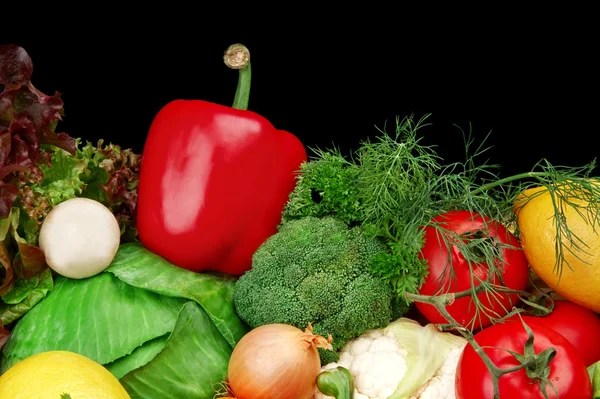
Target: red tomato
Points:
(514, 271)
(568, 374)
(580, 326)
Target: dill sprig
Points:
(394, 185)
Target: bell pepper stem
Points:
(237, 56)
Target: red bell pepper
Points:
(214, 179)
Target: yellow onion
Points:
(276, 361)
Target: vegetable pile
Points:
(39, 169)
(137, 318)
(262, 273)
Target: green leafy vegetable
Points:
(105, 173)
(143, 269)
(143, 319)
(25, 295)
(21, 259)
(594, 371)
(139, 357)
(195, 338)
(100, 318)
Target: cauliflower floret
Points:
(376, 362)
(441, 385)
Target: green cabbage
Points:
(165, 332)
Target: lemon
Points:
(50, 375)
(579, 278)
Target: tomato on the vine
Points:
(565, 373)
(580, 326)
(449, 271)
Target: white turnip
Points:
(79, 238)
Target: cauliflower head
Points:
(402, 360)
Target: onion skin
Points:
(276, 361)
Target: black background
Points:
(531, 82)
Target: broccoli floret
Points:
(317, 270)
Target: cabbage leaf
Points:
(141, 268)
(169, 377)
(101, 318)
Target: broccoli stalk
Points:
(317, 270)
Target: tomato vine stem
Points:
(442, 301)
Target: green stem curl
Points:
(237, 56)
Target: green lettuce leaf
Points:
(141, 268)
(112, 178)
(61, 182)
(62, 178)
(24, 296)
(168, 376)
(105, 173)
